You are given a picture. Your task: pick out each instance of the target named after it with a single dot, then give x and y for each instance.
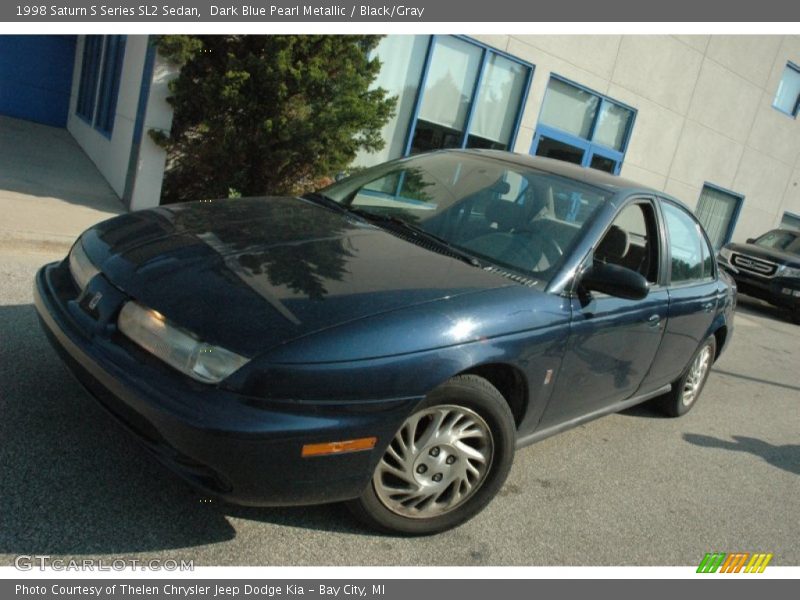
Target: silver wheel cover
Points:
(696, 377)
(435, 462)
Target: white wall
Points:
(152, 159)
(112, 155)
(704, 111)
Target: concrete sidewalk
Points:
(49, 189)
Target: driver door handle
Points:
(654, 320)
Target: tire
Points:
(687, 388)
(446, 462)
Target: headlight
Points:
(790, 272)
(177, 347)
(80, 266)
(725, 253)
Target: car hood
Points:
(250, 274)
(776, 256)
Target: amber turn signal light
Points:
(339, 447)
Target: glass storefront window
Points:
(452, 93)
(603, 163)
(787, 98)
(551, 148)
(471, 98)
(569, 108)
(717, 211)
(452, 75)
(402, 61)
(497, 105)
(612, 126)
(582, 127)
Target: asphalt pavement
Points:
(629, 489)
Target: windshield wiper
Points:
(418, 232)
(397, 223)
(325, 201)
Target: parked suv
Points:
(767, 267)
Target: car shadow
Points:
(747, 305)
(745, 377)
(786, 456)
(73, 482)
(647, 410)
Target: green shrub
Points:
(267, 115)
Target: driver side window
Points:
(632, 241)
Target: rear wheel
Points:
(686, 390)
(445, 463)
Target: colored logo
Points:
(735, 562)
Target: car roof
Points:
(595, 177)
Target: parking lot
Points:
(632, 488)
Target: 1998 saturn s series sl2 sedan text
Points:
(393, 339)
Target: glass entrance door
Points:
(555, 144)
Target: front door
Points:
(613, 341)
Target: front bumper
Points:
(780, 291)
(242, 449)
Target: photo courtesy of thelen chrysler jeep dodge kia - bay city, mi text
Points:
(393, 339)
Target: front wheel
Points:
(445, 463)
(686, 390)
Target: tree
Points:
(267, 115)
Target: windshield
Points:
(507, 214)
(785, 241)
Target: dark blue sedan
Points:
(393, 339)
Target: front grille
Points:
(756, 266)
(137, 424)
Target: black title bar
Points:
(429, 11)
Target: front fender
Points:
(375, 359)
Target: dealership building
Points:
(711, 120)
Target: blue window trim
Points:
(589, 147)
(793, 114)
(736, 211)
(603, 98)
(486, 51)
(473, 99)
(111, 75)
(90, 77)
(138, 126)
(101, 73)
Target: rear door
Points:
(692, 291)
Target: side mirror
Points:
(749, 240)
(615, 281)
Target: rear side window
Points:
(692, 259)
